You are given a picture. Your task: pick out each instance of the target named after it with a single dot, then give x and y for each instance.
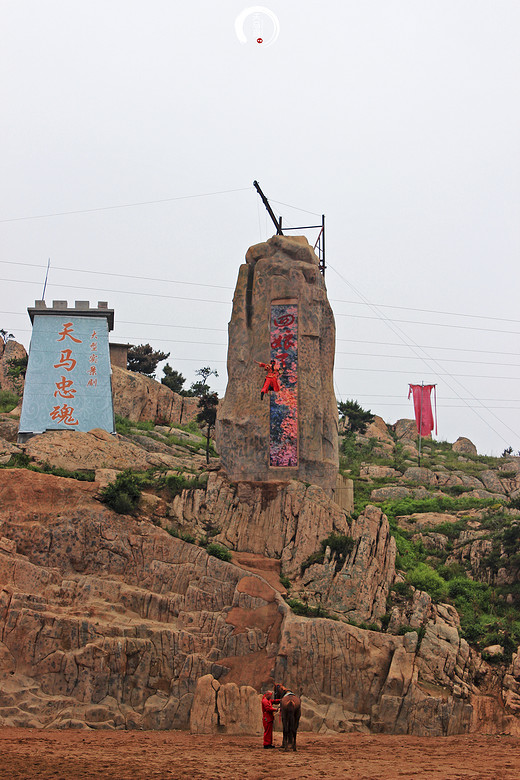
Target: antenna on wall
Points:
(320, 242)
(46, 277)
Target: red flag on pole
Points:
(423, 408)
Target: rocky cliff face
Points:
(109, 621)
(140, 398)
(282, 269)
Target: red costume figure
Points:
(268, 719)
(271, 379)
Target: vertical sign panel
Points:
(283, 427)
(68, 380)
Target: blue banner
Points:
(68, 381)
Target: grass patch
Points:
(305, 610)
(8, 401)
(218, 551)
(123, 494)
(21, 461)
(176, 483)
(124, 426)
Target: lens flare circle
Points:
(257, 9)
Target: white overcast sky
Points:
(397, 119)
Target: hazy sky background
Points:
(397, 119)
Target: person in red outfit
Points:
(271, 379)
(268, 712)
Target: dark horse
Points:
(290, 710)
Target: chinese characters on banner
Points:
(68, 381)
(283, 425)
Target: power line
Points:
(119, 292)
(430, 346)
(305, 211)
(442, 359)
(120, 276)
(226, 287)
(206, 300)
(353, 341)
(124, 205)
(413, 346)
(427, 311)
(429, 324)
(432, 372)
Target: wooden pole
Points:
(420, 424)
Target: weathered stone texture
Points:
(464, 446)
(281, 268)
(359, 588)
(11, 351)
(285, 520)
(225, 708)
(141, 398)
(97, 449)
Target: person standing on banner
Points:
(271, 379)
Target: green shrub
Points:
(176, 483)
(286, 582)
(299, 608)
(19, 460)
(8, 401)
(423, 577)
(185, 536)
(218, 551)
(402, 630)
(369, 626)
(123, 495)
(340, 546)
(402, 589)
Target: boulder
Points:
(405, 429)
(75, 450)
(8, 428)
(464, 446)
(373, 471)
(281, 270)
(419, 476)
(141, 398)
(419, 521)
(379, 430)
(225, 708)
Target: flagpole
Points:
(420, 424)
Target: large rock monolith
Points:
(281, 313)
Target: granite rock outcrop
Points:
(140, 398)
(281, 269)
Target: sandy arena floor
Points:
(104, 755)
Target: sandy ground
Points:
(80, 755)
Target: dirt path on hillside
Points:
(123, 755)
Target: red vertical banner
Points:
(423, 408)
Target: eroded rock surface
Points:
(106, 621)
(285, 520)
(141, 398)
